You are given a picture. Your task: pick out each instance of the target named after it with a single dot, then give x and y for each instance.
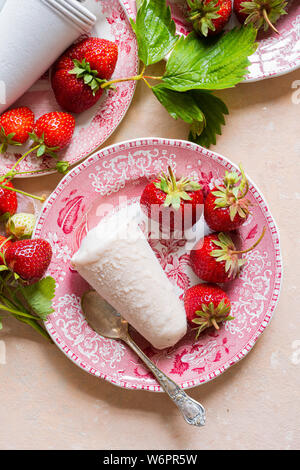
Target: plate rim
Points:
(278, 258)
(271, 75)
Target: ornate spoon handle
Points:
(192, 411)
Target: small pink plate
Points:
(94, 126)
(276, 54)
(122, 171)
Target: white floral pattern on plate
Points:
(254, 295)
(91, 346)
(276, 55)
(94, 126)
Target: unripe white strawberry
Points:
(21, 225)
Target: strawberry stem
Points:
(24, 156)
(141, 76)
(215, 324)
(153, 78)
(16, 312)
(147, 83)
(173, 179)
(119, 80)
(42, 199)
(11, 304)
(253, 246)
(244, 182)
(267, 19)
(33, 171)
(245, 192)
(12, 173)
(2, 255)
(5, 241)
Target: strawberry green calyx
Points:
(90, 77)
(6, 140)
(228, 253)
(42, 148)
(176, 190)
(209, 315)
(201, 15)
(264, 13)
(62, 167)
(233, 193)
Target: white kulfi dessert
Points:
(116, 259)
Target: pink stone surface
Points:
(46, 402)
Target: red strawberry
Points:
(178, 203)
(262, 13)
(53, 132)
(29, 258)
(8, 199)
(78, 74)
(215, 258)
(206, 305)
(237, 8)
(209, 16)
(225, 207)
(4, 244)
(15, 125)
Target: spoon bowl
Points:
(102, 317)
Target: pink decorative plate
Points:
(275, 55)
(122, 171)
(94, 126)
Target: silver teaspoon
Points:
(104, 319)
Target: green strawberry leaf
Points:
(41, 150)
(179, 105)
(212, 64)
(214, 110)
(204, 111)
(155, 30)
(39, 296)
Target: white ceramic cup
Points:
(33, 34)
